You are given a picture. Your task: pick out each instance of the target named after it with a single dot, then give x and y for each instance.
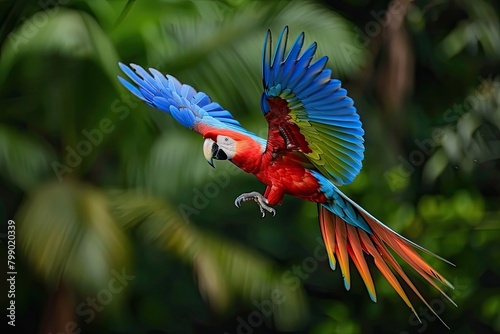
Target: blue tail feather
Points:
(339, 206)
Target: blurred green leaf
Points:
(174, 152)
(470, 140)
(482, 27)
(435, 166)
(23, 160)
(67, 233)
(61, 31)
(225, 271)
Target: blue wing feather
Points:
(266, 57)
(299, 70)
(278, 55)
(131, 88)
(291, 59)
(312, 74)
(317, 104)
(182, 101)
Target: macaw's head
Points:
(222, 148)
(241, 149)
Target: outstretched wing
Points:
(309, 112)
(194, 110)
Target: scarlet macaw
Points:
(314, 144)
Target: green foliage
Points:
(97, 181)
(225, 271)
(23, 160)
(70, 33)
(80, 244)
(481, 28)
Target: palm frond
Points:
(70, 33)
(68, 234)
(225, 271)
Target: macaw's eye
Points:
(227, 145)
(225, 140)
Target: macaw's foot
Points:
(259, 199)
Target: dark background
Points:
(101, 186)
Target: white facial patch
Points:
(228, 145)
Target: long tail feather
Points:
(341, 252)
(343, 239)
(356, 252)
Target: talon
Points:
(261, 201)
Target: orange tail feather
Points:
(343, 240)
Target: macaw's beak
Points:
(212, 151)
(208, 146)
